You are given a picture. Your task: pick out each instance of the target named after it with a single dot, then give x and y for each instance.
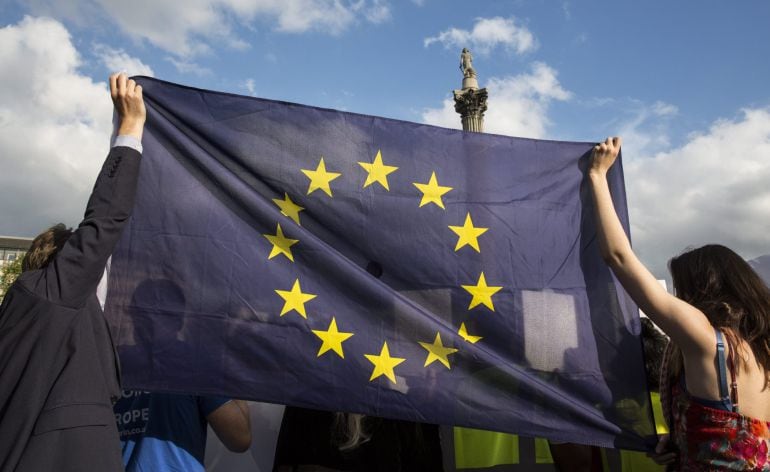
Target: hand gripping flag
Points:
(317, 258)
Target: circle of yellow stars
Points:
(332, 339)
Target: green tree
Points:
(8, 274)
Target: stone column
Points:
(470, 101)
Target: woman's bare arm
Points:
(687, 326)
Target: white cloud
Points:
(488, 33)
(664, 109)
(54, 128)
(250, 86)
(517, 106)
(187, 28)
(646, 130)
(377, 12)
(185, 66)
(712, 189)
(299, 16)
(117, 60)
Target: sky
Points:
(685, 83)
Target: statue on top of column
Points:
(466, 63)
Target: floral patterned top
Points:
(711, 439)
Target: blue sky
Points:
(685, 83)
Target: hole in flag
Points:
(374, 268)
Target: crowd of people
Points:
(62, 408)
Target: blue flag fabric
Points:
(317, 258)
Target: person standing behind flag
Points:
(58, 369)
(167, 432)
(718, 296)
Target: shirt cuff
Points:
(128, 141)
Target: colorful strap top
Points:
(711, 434)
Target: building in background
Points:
(12, 248)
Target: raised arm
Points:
(74, 273)
(686, 325)
(232, 425)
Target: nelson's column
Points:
(470, 101)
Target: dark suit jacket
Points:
(59, 373)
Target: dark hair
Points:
(654, 344)
(45, 246)
(726, 289)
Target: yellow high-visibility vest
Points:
(635, 461)
(475, 448)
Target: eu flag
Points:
(337, 261)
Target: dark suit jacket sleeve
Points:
(76, 270)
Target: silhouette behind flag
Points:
(353, 263)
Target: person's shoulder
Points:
(27, 280)
(29, 289)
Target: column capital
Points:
(471, 105)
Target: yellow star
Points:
(482, 293)
(281, 244)
(468, 234)
(463, 332)
(288, 207)
(294, 299)
(384, 364)
(432, 191)
(332, 339)
(319, 178)
(437, 352)
(378, 172)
